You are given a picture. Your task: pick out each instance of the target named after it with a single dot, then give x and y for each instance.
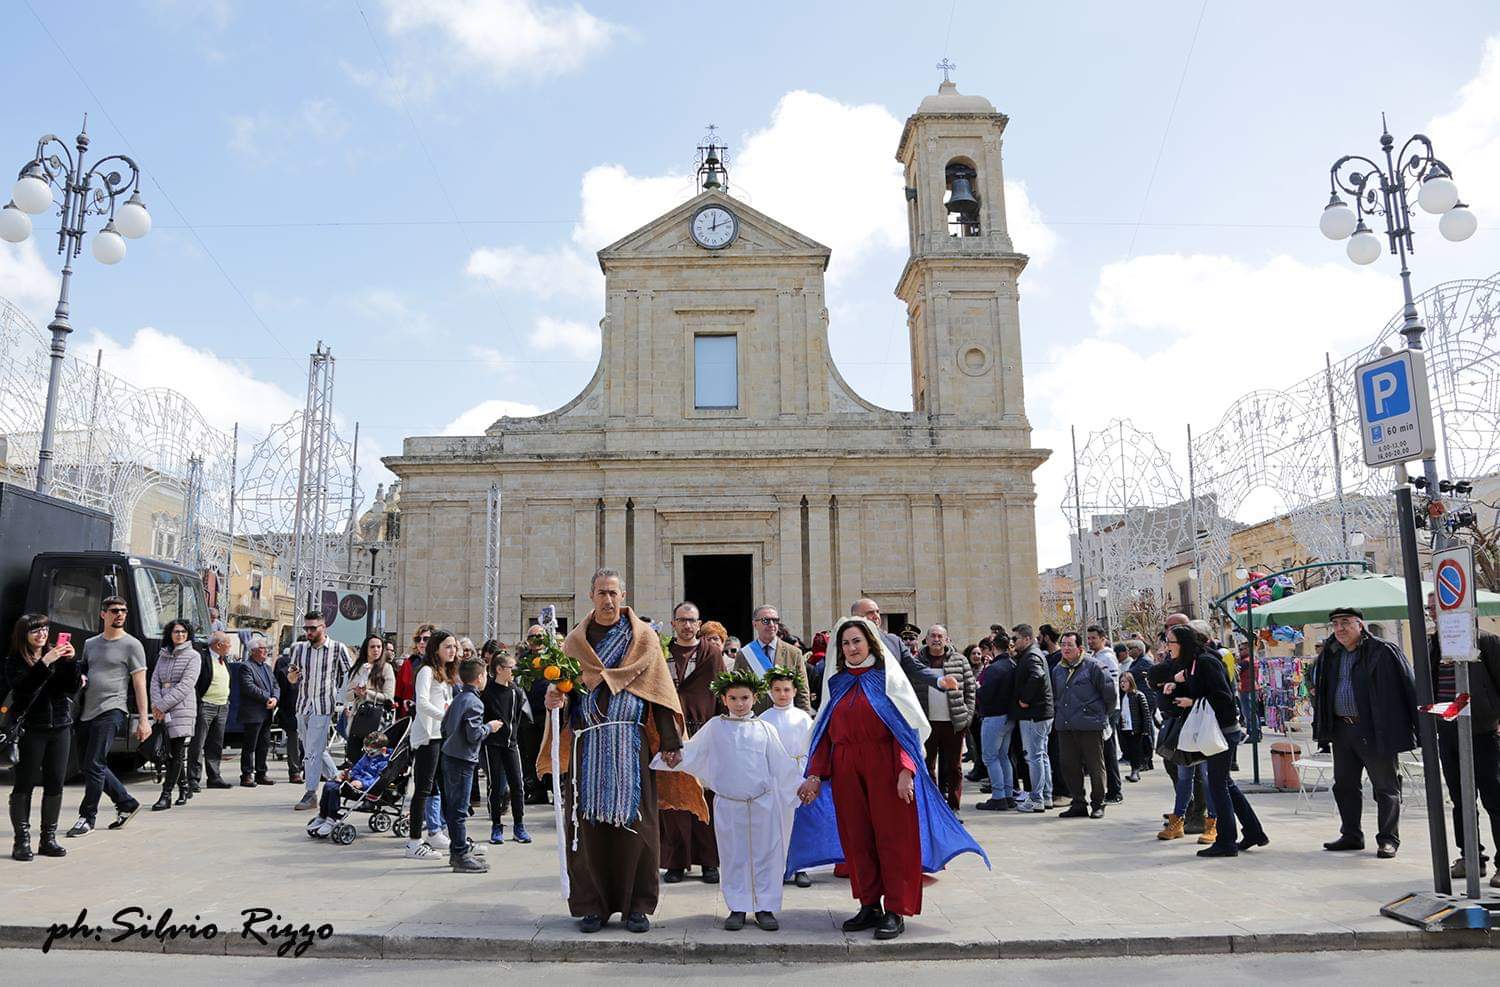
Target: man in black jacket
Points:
(1365, 706)
(1031, 709)
(1484, 713)
(997, 693)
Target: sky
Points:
(421, 185)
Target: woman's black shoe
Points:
(165, 802)
(590, 923)
(891, 925)
(1219, 850)
(182, 798)
(637, 922)
(867, 917)
(1250, 842)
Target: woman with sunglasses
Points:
(174, 701)
(372, 690)
(41, 682)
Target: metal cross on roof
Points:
(946, 67)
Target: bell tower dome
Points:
(959, 284)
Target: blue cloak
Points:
(815, 832)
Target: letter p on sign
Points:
(1382, 386)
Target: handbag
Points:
(1200, 731)
(154, 747)
(1167, 744)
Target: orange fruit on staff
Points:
(536, 663)
(552, 673)
(566, 685)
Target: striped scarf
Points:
(609, 789)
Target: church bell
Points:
(961, 199)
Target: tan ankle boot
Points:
(1210, 830)
(1172, 830)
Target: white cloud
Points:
(480, 417)
(1467, 138)
(506, 38)
(574, 338)
(489, 357)
(26, 281)
(268, 136)
(224, 392)
(563, 272)
(1179, 338)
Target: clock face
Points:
(715, 227)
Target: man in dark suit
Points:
(259, 697)
(286, 718)
(767, 649)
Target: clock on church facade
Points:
(718, 455)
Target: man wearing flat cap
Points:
(1365, 707)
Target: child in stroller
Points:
(375, 784)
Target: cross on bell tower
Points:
(946, 67)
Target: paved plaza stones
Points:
(1059, 888)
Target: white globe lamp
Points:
(1458, 224)
(132, 219)
(1338, 220)
(1364, 246)
(30, 193)
(108, 246)
(1438, 194)
(15, 225)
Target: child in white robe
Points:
(794, 727)
(740, 759)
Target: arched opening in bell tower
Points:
(961, 201)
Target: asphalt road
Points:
(1469, 966)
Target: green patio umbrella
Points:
(1380, 597)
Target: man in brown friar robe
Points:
(625, 712)
(694, 664)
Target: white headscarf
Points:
(897, 688)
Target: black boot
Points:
(47, 841)
(20, 823)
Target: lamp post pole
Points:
(84, 193)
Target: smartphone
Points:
(63, 637)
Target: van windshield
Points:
(165, 596)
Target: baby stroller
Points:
(384, 801)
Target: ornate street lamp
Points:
(84, 194)
(1385, 192)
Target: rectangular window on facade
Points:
(716, 372)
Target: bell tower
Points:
(959, 284)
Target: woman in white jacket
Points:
(433, 688)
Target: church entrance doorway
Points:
(721, 586)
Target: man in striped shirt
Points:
(321, 666)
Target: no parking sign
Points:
(1453, 585)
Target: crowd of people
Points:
(756, 763)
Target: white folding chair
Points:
(1320, 768)
(1410, 765)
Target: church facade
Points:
(718, 455)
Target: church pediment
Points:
(670, 235)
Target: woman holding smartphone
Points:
(41, 682)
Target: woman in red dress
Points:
(891, 822)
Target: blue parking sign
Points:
(1395, 415)
(1387, 390)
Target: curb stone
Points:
(675, 948)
